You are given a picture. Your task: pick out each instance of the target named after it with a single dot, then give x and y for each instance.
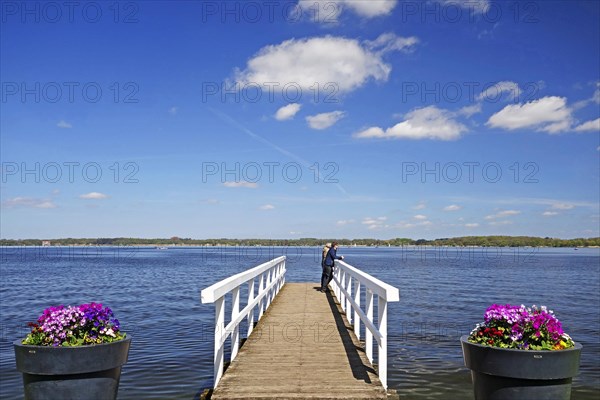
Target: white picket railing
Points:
(346, 284)
(271, 278)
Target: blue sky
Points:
(332, 119)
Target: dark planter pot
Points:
(520, 374)
(85, 372)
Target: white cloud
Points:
(241, 184)
(372, 132)
(503, 214)
(421, 205)
(472, 225)
(267, 207)
(324, 120)
(28, 202)
(549, 114)
(469, 111)
(173, 110)
(343, 222)
(46, 204)
(549, 213)
(420, 217)
(563, 206)
(508, 213)
(524, 201)
(558, 127)
(317, 62)
(375, 223)
(371, 8)
(64, 124)
(328, 11)
(494, 92)
(93, 196)
(500, 223)
(594, 99)
(589, 126)
(407, 225)
(387, 42)
(452, 207)
(287, 112)
(423, 123)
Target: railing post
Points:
(250, 299)
(267, 284)
(274, 279)
(368, 334)
(333, 288)
(338, 284)
(219, 355)
(348, 304)
(382, 322)
(235, 310)
(261, 289)
(273, 290)
(342, 297)
(357, 301)
(279, 269)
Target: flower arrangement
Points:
(519, 327)
(87, 324)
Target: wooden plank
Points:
(303, 347)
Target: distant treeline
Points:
(487, 241)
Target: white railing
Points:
(271, 278)
(347, 283)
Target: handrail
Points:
(271, 278)
(347, 277)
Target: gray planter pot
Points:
(85, 372)
(514, 374)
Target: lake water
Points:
(156, 296)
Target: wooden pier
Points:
(304, 345)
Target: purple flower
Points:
(75, 326)
(520, 327)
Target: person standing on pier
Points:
(328, 266)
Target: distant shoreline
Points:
(227, 245)
(463, 241)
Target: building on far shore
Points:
(45, 243)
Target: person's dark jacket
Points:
(331, 257)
